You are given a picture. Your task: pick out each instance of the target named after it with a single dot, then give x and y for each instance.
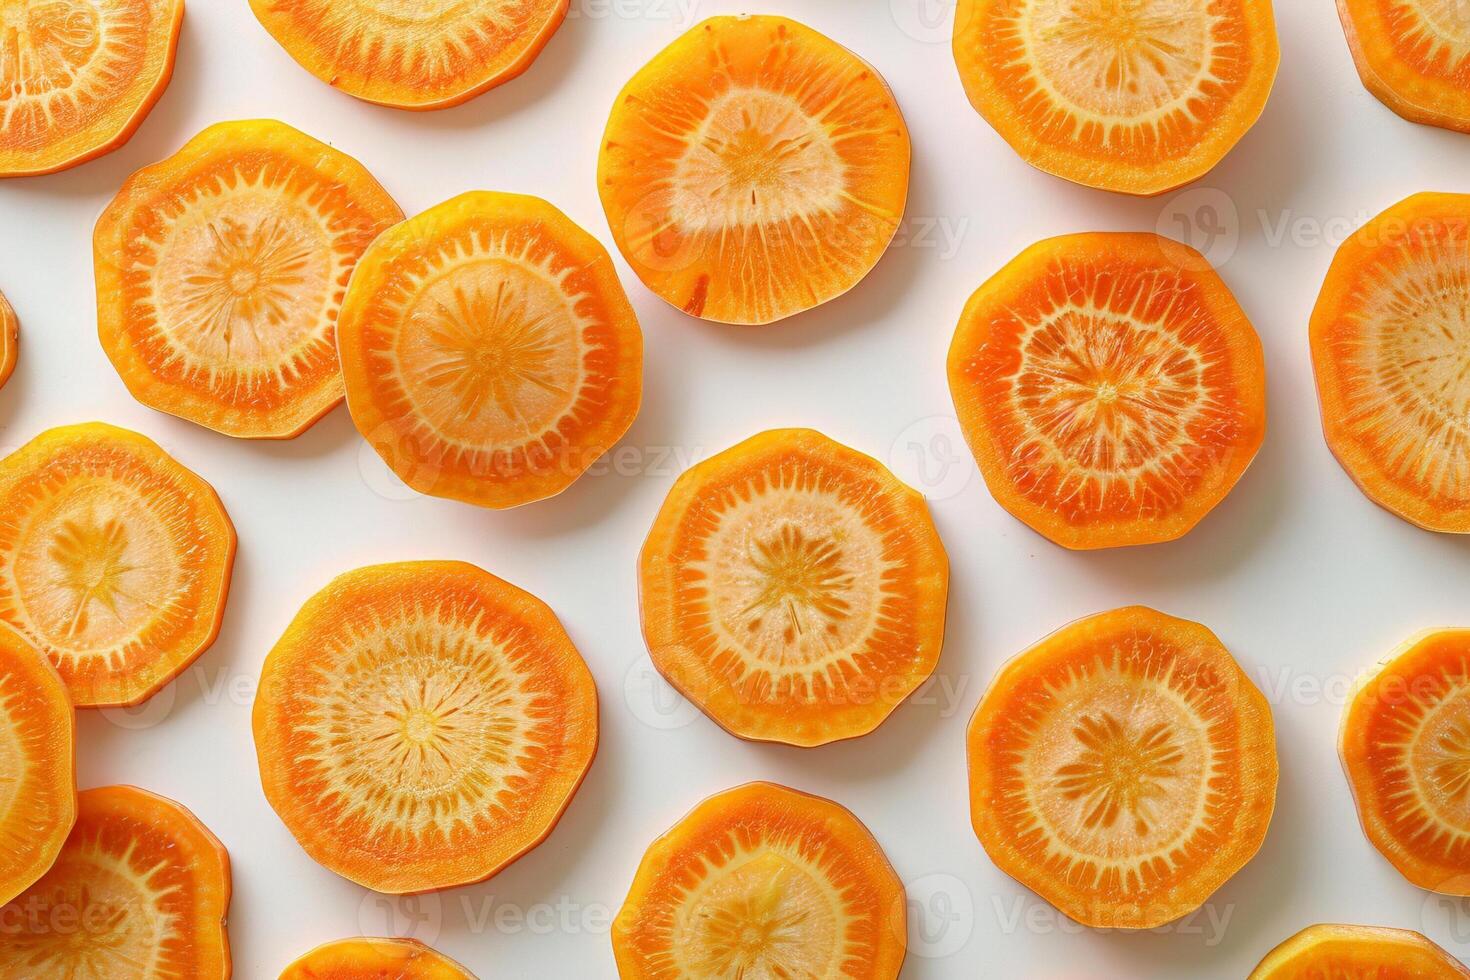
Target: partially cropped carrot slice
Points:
(1124, 768)
(139, 891)
(763, 881)
(490, 352)
(412, 54)
(9, 339)
(1110, 387)
(221, 273)
(1391, 351)
(375, 959)
(114, 560)
(1414, 55)
(1140, 96)
(38, 788)
(754, 169)
(77, 77)
(422, 725)
(1336, 952)
(794, 589)
(1404, 741)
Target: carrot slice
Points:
(1110, 387)
(1404, 738)
(794, 589)
(412, 54)
(1139, 97)
(221, 273)
(491, 355)
(1412, 55)
(1335, 952)
(9, 339)
(1124, 768)
(139, 891)
(114, 560)
(38, 788)
(1389, 350)
(763, 881)
(79, 77)
(422, 725)
(754, 169)
(375, 959)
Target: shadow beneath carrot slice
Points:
(422, 725)
(140, 890)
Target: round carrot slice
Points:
(754, 169)
(79, 77)
(1412, 55)
(139, 891)
(38, 789)
(1124, 768)
(9, 339)
(1110, 387)
(1389, 348)
(1334, 952)
(1139, 97)
(412, 54)
(1405, 737)
(491, 355)
(794, 589)
(422, 725)
(763, 881)
(221, 273)
(114, 560)
(375, 959)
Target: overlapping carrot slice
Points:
(413, 54)
(794, 589)
(763, 881)
(115, 560)
(1405, 740)
(491, 355)
(1414, 55)
(1140, 96)
(38, 789)
(754, 169)
(1391, 351)
(1336, 952)
(140, 891)
(375, 959)
(1124, 768)
(1110, 387)
(221, 272)
(77, 77)
(9, 339)
(422, 725)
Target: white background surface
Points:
(1305, 580)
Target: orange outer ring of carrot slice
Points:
(29, 682)
(1392, 954)
(640, 933)
(190, 849)
(122, 130)
(993, 738)
(1394, 692)
(977, 350)
(367, 958)
(1409, 91)
(411, 94)
(9, 339)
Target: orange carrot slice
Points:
(375, 959)
(1412, 55)
(1334, 952)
